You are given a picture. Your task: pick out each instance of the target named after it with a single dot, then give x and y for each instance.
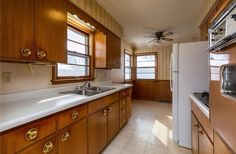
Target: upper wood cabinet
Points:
(100, 50)
(33, 30)
(107, 50)
(113, 51)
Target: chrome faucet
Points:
(86, 83)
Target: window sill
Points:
(72, 80)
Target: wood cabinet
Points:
(33, 30)
(48, 145)
(100, 50)
(113, 120)
(73, 139)
(113, 51)
(129, 103)
(219, 146)
(83, 129)
(107, 50)
(205, 146)
(201, 144)
(97, 131)
(195, 126)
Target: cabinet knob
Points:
(48, 147)
(195, 125)
(74, 115)
(25, 52)
(105, 112)
(31, 134)
(200, 131)
(109, 109)
(123, 111)
(41, 54)
(123, 102)
(65, 137)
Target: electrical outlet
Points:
(6, 77)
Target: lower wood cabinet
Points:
(73, 139)
(97, 131)
(201, 144)
(195, 126)
(84, 129)
(219, 146)
(44, 146)
(113, 120)
(205, 146)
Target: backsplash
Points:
(25, 77)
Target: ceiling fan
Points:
(159, 36)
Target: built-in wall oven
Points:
(223, 29)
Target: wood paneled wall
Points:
(92, 8)
(164, 53)
(152, 90)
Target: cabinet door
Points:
(47, 145)
(51, 30)
(100, 50)
(17, 29)
(113, 120)
(97, 131)
(219, 146)
(195, 126)
(129, 103)
(205, 145)
(113, 51)
(73, 139)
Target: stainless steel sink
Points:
(88, 91)
(100, 89)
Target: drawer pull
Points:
(74, 115)
(123, 120)
(104, 112)
(123, 111)
(31, 134)
(200, 131)
(48, 147)
(109, 109)
(65, 137)
(25, 52)
(41, 54)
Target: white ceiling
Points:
(145, 17)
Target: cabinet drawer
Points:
(123, 103)
(70, 116)
(122, 120)
(102, 103)
(122, 93)
(47, 145)
(27, 135)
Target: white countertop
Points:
(20, 108)
(201, 105)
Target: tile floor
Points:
(147, 132)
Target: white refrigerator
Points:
(189, 73)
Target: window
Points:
(128, 66)
(146, 66)
(78, 59)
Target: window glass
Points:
(127, 66)
(146, 67)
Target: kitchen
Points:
(97, 76)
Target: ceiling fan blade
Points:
(168, 34)
(150, 36)
(167, 39)
(151, 41)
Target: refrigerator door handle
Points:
(171, 84)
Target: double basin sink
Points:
(90, 91)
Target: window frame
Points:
(156, 65)
(131, 66)
(72, 79)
